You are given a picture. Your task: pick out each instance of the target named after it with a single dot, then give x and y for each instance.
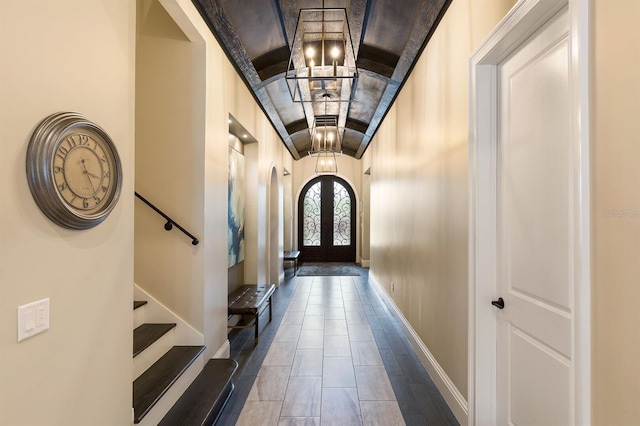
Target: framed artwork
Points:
(235, 239)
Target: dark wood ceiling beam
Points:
(377, 60)
(357, 125)
(386, 80)
(272, 63)
(297, 126)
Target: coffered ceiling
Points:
(388, 37)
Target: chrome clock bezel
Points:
(44, 142)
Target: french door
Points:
(326, 221)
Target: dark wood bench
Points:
(292, 256)
(250, 301)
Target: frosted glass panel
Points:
(341, 216)
(311, 220)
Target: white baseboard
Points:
(366, 263)
(224, 351)
(155, 311)
(456, 401)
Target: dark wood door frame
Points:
(326, 251)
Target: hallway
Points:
(333, 355)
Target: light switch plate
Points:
(33, 318)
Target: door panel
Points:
(540, 395)
(327, 218)
(534, 182)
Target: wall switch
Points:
(33, 319)
(393, 286)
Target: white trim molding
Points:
(224, 351)
(526, 17)
(455, 400)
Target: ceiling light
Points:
(322, 57)
(326, 163)
(325, 135)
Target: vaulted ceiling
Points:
(388, 37)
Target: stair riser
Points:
(158, 313)
(173, 394)
(150, 355)
(139, 316)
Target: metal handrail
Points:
(170, 222)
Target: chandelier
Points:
(322, 58)
(325, 135)
(326, 163)
(326, 141)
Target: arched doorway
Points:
(327, 221)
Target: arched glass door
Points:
(326, 221)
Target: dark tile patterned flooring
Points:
(419, 400)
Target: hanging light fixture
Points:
(325, 135)
(326, 142)
(326, 163)
(322, 58)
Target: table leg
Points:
(255, 341)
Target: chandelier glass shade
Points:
(322, 60)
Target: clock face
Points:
(82, 171)
(73, 170)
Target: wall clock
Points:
(73, 170)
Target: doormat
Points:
(309, 269)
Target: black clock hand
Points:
(86, 172)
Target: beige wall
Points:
(419, 187)
(615, 212)
(66, 56)
(186, 90)
(169, 162)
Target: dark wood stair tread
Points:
(153, 383)
(146, 334)
(138, 303)
(202, 402)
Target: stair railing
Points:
(170, 222)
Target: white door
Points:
(534, 231)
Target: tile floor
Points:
(333, 355)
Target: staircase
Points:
(172, 384)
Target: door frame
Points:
(526, 17)
(338, 253)
(296, 200)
